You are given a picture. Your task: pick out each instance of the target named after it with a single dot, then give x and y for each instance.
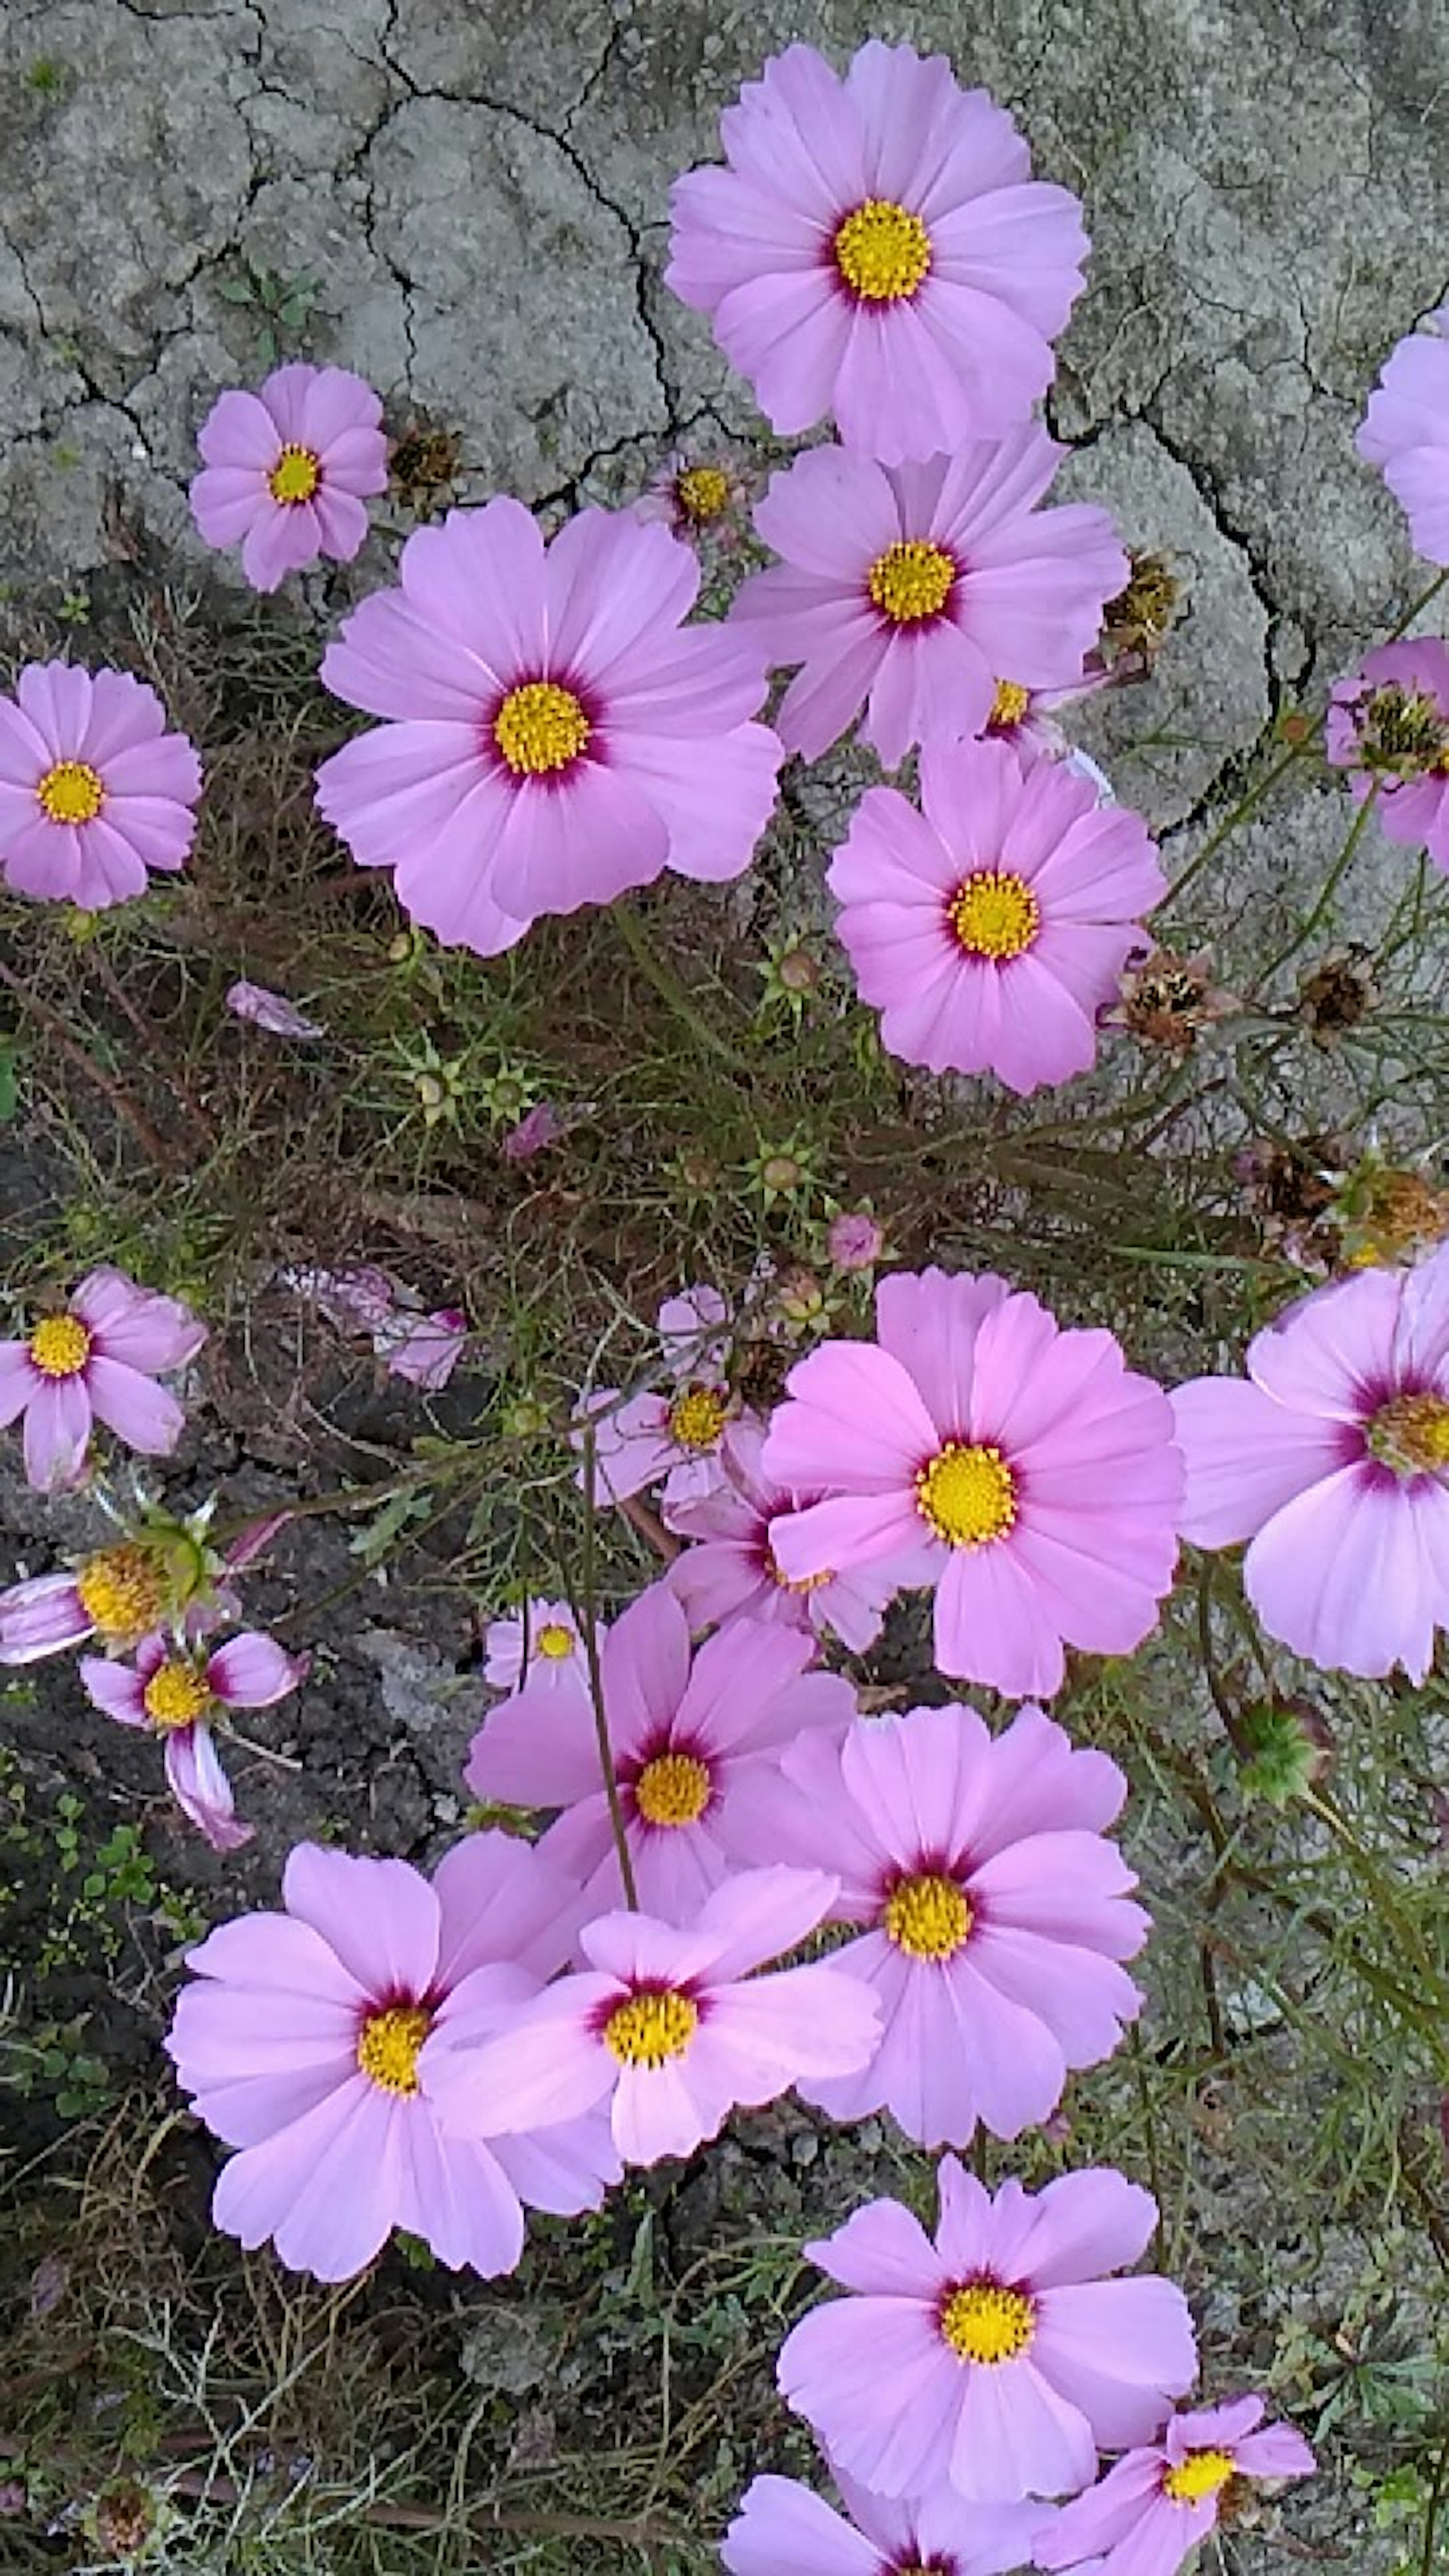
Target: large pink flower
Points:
(918, 588)
(176, 1693)
(553, 736)
(1023, 1471)
(669, 2027)
(1008, 2359)
(729, 1573)
(99, 1358)
(93, 789)
(877, 248)
(991, 928)
(692, 1740)
(287, 470)
(1406, 431)
(1332, 1458)
(997, 1910)
(301, 2043)
(1150, 2512)
(784, 2529)
(1388, 726)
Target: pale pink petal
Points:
(379, 1916)
(57, 1431)
(201, 1788)
(253, 1671)
(146, 1416)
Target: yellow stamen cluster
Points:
(994, 914)
(175, 1695)
(71, 792)
(801, 1582)
(60, 1347)
(911, 581)
(987, 2323)
(1201, 2474)
(1009, 705)
(540, 728)
(388, 2045)
(295, 476)
(123, 1590)
(1411, 1434)
(702, 492)
(673, 1789)
(650, 2029)
(697, 1417)
(927, 1916)
(882, 251)
(967, 1493)
(554, 1642)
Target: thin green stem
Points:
(588, 1624)
(1245, 806)
(669, 988)
(1332, 882)
(1416, 608)
(1432, 2508)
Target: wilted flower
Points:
(1388, 726)
(855, 1240)
(177, 1693)
(427, 1348)
(271, 1011)
(1166, 999)
(1339, 993)
(538, 1129)
(1136, 623)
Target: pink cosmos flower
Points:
(270, 1011)
(1009, 2358)
(287, 470)
(696, 1746)
(997, 1911)
(1150, 2512)
(93, 789)
(911, 590)
(542, 1645)
(1024, 1471)
(99, 1358)
(877, 248)
(671, 1438)
(667, 2025)
(697, 498)
(302, 2043)
(990, 928)
(427, 1348)
(1026, 718)
(176, 1693)
(730, 1574)
(1406, 431)
(1332, 1459)
(553, 736)
(1388, 725)
(784, 2529)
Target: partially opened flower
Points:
(696, 497)
(302, 2043)
(99, 1358)
(1388, 726)
(1008, 2358)
(178, 1693)
(729, 1572)
(992, 927)
(552, 736)
(911, 590)
(427, 1348)
(997, 1911)
(93, 789)
(1149, 2513)
(877, 248)
(1332, 1459)
(1406, 431)
(668, 2026)
(672, 1437)
(785, 2529)
(696, 1742)
(161, 1573)
(1024, 1471)
(287, 469)
(270, 1011)
(541, 1644)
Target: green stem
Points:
(1246, 805)
(589, 1627)
(1431, 2509)
(1416, 608)
(669, 988)
(1332, 882)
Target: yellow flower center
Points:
(388, 2045)
(61, 1346)
(1009, 704)
(673, 1789)
(927, 1917)
(295, 476)
(540, 728)
(697, 1417)
(650, 2029)
(987, 2324)
(175, 1695)
(703, 492)
(1201, 2474)
(123, 1591)
(994, 914)
(554, 1642)
(911, 581)
(71, 792)
(967, 1493)
(1411, 1435)
(882, 251)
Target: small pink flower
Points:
(667, 2026)
(93, 789)
(534, 1133)
(177, 1694)
(877, 248)
(990, 928)
(271, 1011)
(1406, 431)
(912, 591)
(287, 470)
(696, 1745)
(1010, 2359)
(783, 2529)
(542, 1646)
(729, 1574)
(672, 1439)
(1388, 725)
(1332, 1459)
(1022, 1470)
(427, 1348)
(303, 2042)
(697, 498)
(995, 1911)
(855, 1240)
(98, 1359)
(1149, 2513)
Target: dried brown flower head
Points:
(1338, 994)
(1135, 625)
(1166, 999)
